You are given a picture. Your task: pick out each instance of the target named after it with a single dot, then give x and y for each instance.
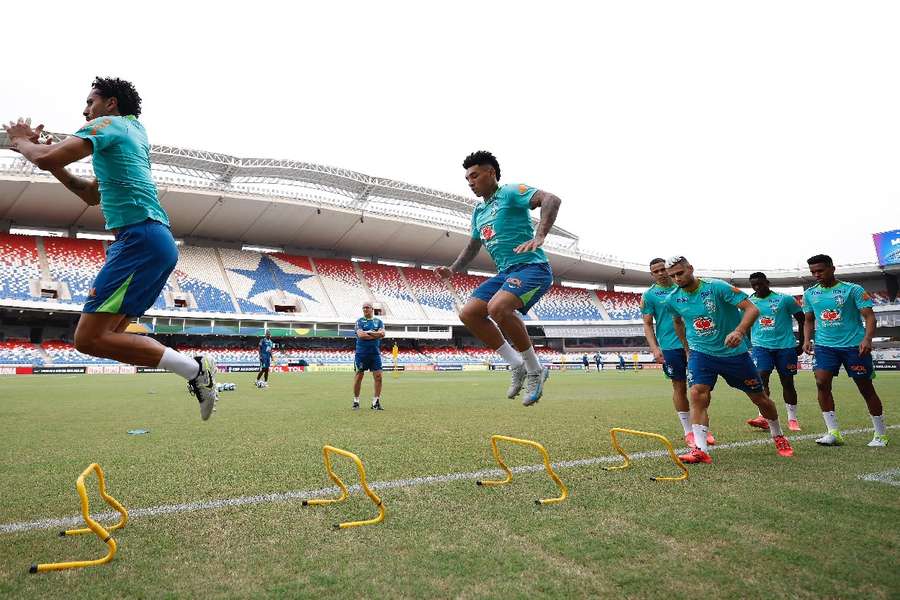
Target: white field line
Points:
(890, 477)
(167, 509)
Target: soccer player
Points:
(369, 331)
(265, 360)
(835, 310)
(586, 365)
(598, 361)
(143, 255)
(502, 224)
(774, 344)
(707, 314)
(666, 347)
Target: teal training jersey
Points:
(122, 166)
(710, 313)
(838, 321)
(368, 347)
(774, 328)
(265, 348)
(503, 222)
(653, 302)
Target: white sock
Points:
(700, 432)
(685, 418)
(878, 422)
(510, 355)
(179, 363)
(774, 427)
(532, 364)
(356, 400)
(792, 411)
(830, 420)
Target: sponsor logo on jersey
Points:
(831, 315)
(767, 321)
(523, 188)
(487, 233)
(704, 324)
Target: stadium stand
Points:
(342, 285)
(63, 353)
(567, 304)
(390, 289)
(435, 298)
(465, 284)
(74, 262)
(882, 299)
(448, 354)
(19, 266)
(251, 278)
(295, 276)
(19, 352)
(621, 306)
(198, 272)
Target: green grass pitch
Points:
(753, 524)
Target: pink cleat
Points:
(759, 422)
(794, 425)
(696, 456)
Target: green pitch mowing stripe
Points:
(380, 485)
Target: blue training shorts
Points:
(826, 358)
(529, 282)
(367, 362)
(675, 367)
(739, 371)
(265, 362)
(137, 266)
(782, 359)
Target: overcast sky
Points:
(743, 135)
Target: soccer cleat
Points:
(689, 440)
(879, 441)
(794, 425)
(695, 456)
(710, 440)
(783, 446)
(759, 422)
(377, 405)
(355, 405)
(203, 386)
(832, 438)
(534, 386)
(515, 384)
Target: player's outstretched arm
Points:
(549, 204)
(462, 261)
(740, 332)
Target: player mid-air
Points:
(369, 332)
(144, 253)
(502, 224)
(667, 348)
(835, 310)
(265, 360)
(707, 314)
(774, 344)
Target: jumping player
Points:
(715, 333)
(265, 360)
(835, 309)
(666, 347)
(502, 224)
(139, 261)
(369, 332)
(774, 344)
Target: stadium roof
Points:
(218, 199)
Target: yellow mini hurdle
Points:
(92, 525)
(326, 451)
(564, 492)
(656, 436)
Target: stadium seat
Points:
(567, 304)
(390, 289)
(435, 298)
(198, 273)
(621, 306)
(19, 352)
(19, 266)
(74, 262)
(342, 285)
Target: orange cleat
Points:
(759, 422)
(783, 446)
(794, 425)
(689, 440)
(697, 456)
(710, 440)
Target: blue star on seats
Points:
(268, 276)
